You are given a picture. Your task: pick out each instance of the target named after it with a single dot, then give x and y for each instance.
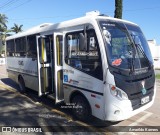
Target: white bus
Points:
(100, 65)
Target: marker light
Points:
(113, 90)
(97, 106)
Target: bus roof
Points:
(90, 16)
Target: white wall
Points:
(2, 61)
(155, 51)
(157, 57)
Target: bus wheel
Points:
(21, 85)
(81, 108)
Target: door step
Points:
(51, 96)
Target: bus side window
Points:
(20, 46)
(88, 59)
(31, 46)
(94, 63)
(10, 46)
(73, 48)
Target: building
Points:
(155, 51)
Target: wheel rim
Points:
(81, 109)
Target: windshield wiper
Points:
(132, 67)
(125, 30)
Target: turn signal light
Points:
(97, 106)
(113, 88)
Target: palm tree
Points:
(3, 21)
(17, 28)
(3, 26)
(118, 9)
(3, 30)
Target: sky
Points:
(29, 13)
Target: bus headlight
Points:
(118, 93)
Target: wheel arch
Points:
(20, 76)
(79, 93)
(21, 83)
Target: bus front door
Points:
(58, 63)
(45, 62)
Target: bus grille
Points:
(139, 94)
(136, 98)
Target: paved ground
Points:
(29, 110)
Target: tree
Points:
(4, 32)
(17, 28)
(3, 21)
(3, 27)
(118, 9)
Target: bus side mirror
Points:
(82, 42)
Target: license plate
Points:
(145, 100)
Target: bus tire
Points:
(21, 84)
(81, 109)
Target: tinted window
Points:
(10, 47)
(20, 46)
(59, 43)
(31, 46)
(122, 50)
(84, 57)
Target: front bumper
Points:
(121, 110)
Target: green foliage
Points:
(2, 49)
(118, 9)
(17, 28)
(3, 21)
(3, 25)
(3, 31)
(157, 76)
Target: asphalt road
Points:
(29, 111)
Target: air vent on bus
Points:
(93, 13)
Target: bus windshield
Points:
(126, 46)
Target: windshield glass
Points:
(126, 45)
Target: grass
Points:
(157, 76)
